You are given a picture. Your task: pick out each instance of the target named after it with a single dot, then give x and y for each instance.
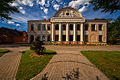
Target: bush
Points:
(37, 46)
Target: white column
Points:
(67, 32)
(60, 32)
(74, 38)
(81, 32)
(52, 31)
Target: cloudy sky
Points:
(40, 9)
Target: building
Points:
(12, 36)
(70, 27)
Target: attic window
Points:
(67, 13)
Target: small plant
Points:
(37, 46)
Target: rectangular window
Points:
(100, 38)
(43, 37)
(48, 37)
(63, 37)
(39, 37)
(39, 26)
(32, 27)
(86, 27)
(78, 37)
(70, 37)
(93, 27)
(100, 27)
(48, 26)
(44, 27)
(86, 38)
(56, 37)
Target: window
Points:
(31, 38)
(63, 27)
(86, 38)
(56, 27)
(78, 37)
(67, 13)
(32, 27)
(93, 27)
(100, 38)
(56, 37)
(100, 27)
(43, 26)
(48, 26)
(70, 37)
(86, 27)
(39, 37)
(48, 37)
(43, 37)
(71, 26)
(78, 27)
(63, 37)
(39, 26)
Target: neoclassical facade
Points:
(68, 26)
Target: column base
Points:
(81, 42)
(74, 42)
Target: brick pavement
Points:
(65, 61)
(9, 64)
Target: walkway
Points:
(9, 64)
(70, 61)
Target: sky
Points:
(40, 9)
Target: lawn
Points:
(31, 66)
(3, 51)
(107, 61)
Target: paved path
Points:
(69, 58)
(9, 64)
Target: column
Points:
(81, 28)
(67, 32)
(28, 38)
(60, 32)
(74, 38)
(52, 31)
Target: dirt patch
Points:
(36, 55)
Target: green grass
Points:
(31, 66)
(3, 51)
(107, 61)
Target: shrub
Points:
(37, 46)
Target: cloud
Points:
(22, 2)
(17, 24)
(58, 0)
(23, 11)
(20, 7)
(14, 4)
(56, 7)
(82, 9)
(76, 3)
(42, 2)
(45, 10)
(11, 22)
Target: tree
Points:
(37, 46)
(106, 5)
(113, 30)
(6, 9)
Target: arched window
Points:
(56, 26)
(78, 26)
(71, 27)
(63, 27)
